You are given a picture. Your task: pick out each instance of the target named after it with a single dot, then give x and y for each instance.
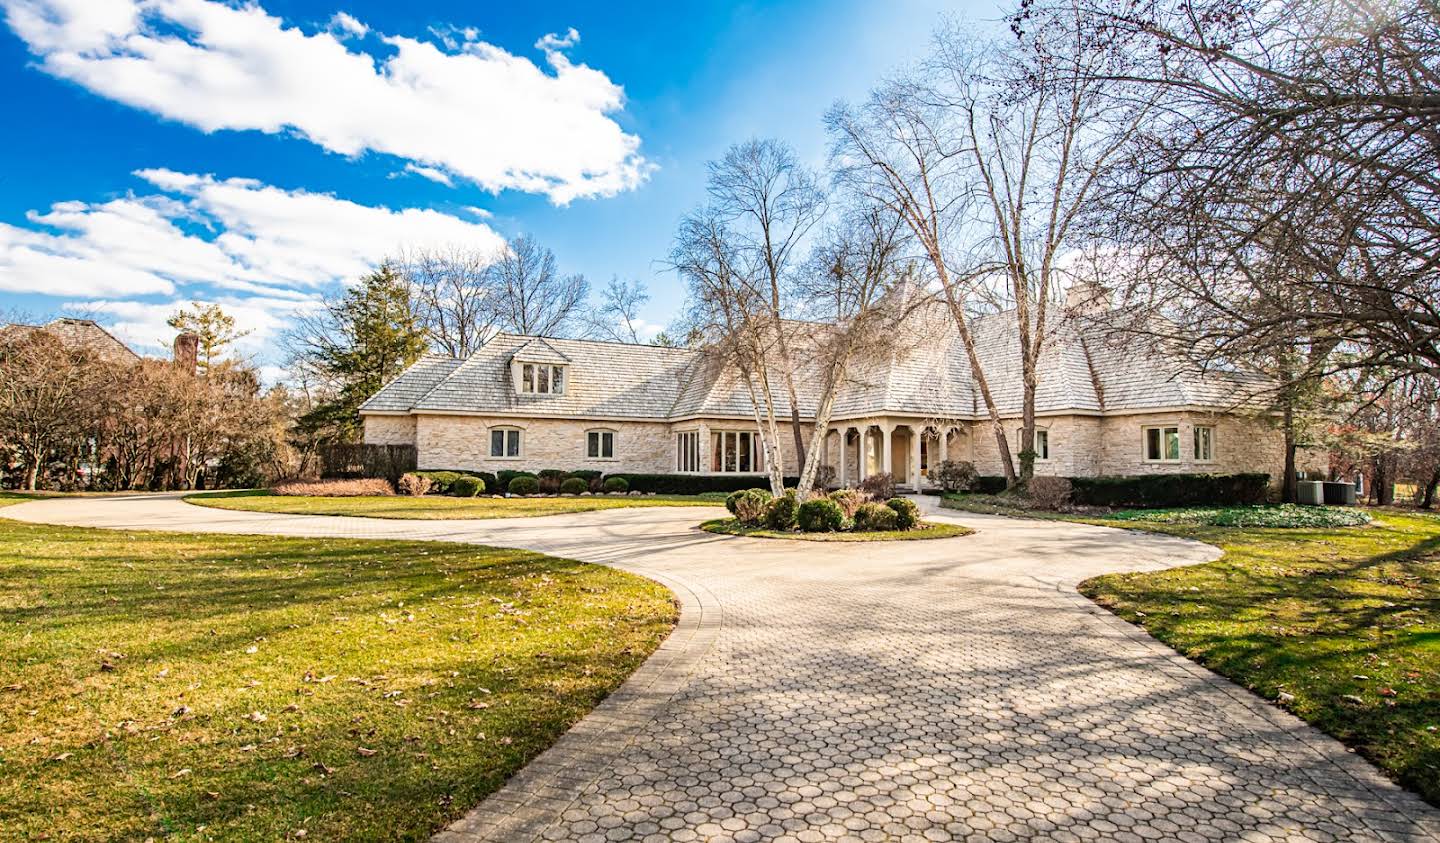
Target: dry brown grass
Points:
(371, 487)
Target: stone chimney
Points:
(1086, 298)
(186, 355)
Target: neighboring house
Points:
(76, 333)
(1102, 408)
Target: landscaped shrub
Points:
(907, 514)
(849, 500)
(875, 517)
(413, 485)
(821, 515)
(989, 484)
(956, 475)
(523, 484)
(1052, 493)
(749, 505)
(467, 486)
(1162, 490)
(616, 484)
(550, 480)
(782, 512)
(440, 481)
(574, 486)
(879, 487)
(696, 484)
(336, 488)
(588, 475)
(503, 478)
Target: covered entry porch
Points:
(907, 449)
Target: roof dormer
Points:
(537, 368)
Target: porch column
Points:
(917, 436)
(842, 471)
(862, 447)
(887, 463)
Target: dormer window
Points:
(542, 379)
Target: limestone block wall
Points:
(1242, 444)
(389, 430)
(463, 442)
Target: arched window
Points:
(600, 444)
(505, 442)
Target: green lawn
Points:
(926, 530)
(437, 506)
(7, 498)
(244, 688)
(1345, 622)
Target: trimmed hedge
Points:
(875, 518)
(574, 485)
(821, 515)
(440, 481)
(988, 484)
(1149, 491)
(616, 484)
(503, 478)
(523, 484)
(696, 484)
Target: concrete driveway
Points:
(953, 689)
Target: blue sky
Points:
(257, 155)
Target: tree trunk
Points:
(1429, 499)
(32, 473)
(799, 435)
(1290, 485)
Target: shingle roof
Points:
(402, 394)
(1083, 368)
(77, 333)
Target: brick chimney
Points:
(1086, 298)
(186, 355)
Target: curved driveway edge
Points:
(939, 690)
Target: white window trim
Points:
(600, 449)
(535, 380)
(489, 442)
(1039, 429)
(1214, 443)
(757, 452)
(699, 452)
(1145, 443)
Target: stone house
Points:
(1103, 408)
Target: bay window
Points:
(1204, 443)
(687, 450)
(735, 452)
(1162, 443)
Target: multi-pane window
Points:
(687, 451)
(1204, 443)
(1162, 444)
(735, 452)
(542, 379)
(504, 442)
(600, 444)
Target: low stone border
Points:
(543, 789)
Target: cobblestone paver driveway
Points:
(942, 690)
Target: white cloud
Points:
(141, 324)
(230, 234)
(344, 25)
(471, 109)
(430, 173)
(551, 42)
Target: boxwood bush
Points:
(440, 481)
(574, 485)
(523, 484)
(907, 514)
(875, 517)
(821, 515)
(503, 478)
(782, 512)
(617, 484)
(466, 486)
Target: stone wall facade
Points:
(389, 430)
(1079, 445)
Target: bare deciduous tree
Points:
(530, 295)
(454, 297)
(617, 317)
(769, 203)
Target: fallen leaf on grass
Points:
(64, 756)
(180, 773)
(365, 752)
(320, 767)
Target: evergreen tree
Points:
(213, 326)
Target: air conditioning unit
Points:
(1310, 492)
